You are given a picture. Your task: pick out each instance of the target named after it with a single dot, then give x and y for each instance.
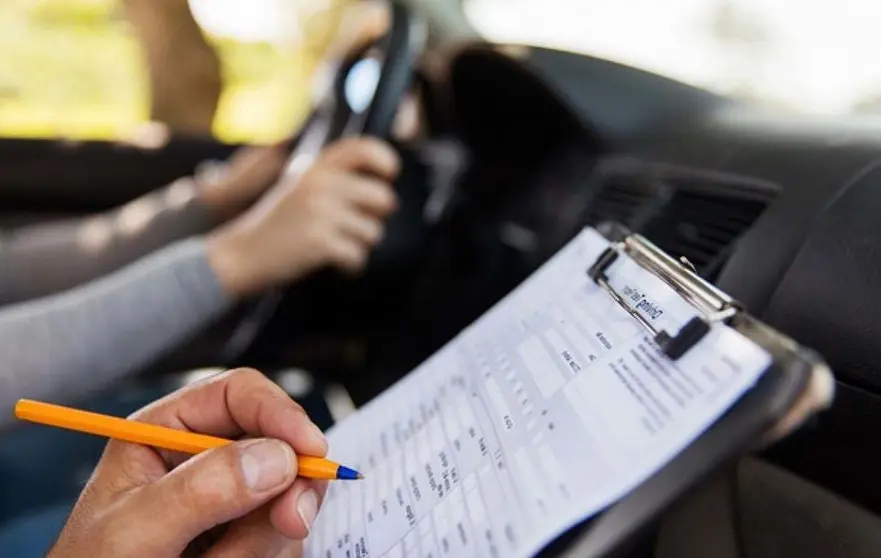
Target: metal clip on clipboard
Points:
(713, 304)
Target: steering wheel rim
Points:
(403, 42)
(332, 119)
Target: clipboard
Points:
(795, 386)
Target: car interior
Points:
(519, 148)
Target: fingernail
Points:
(307, 507)
(266, 464)
(318, 435)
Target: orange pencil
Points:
(159, 436)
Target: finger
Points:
(347, 253)
(294, 512)
(252, 535)
(229, 405)
(365, 228)
(365, 155)
(203, 543)
(212, 488)
(369, 194)
(294, 549)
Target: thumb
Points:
(213, 488)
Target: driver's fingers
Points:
(347, 253)
(369, 194)
(363, 227)
(365, 155)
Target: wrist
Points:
(228, 256)
(214, 197)
(218, 192)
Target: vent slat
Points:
(617, 201)
(717, 221)
(701, 226)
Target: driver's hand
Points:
(243, 499)
(332, 215)
(231, 187)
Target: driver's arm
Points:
(67, 345)
(48, 258)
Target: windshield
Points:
(239, 70)
(812, 57)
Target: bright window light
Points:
(809, 57)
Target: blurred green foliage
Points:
(72, 68)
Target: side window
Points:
(101, 69)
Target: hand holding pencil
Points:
(145, 502)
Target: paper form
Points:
(547, 409)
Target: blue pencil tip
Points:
(344, 473)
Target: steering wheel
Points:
(362, 100)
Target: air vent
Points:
(620, 200)
(702, 226)
(687, 212)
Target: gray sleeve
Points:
(66, 346)
(48, 258)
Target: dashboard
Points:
(781, 211)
